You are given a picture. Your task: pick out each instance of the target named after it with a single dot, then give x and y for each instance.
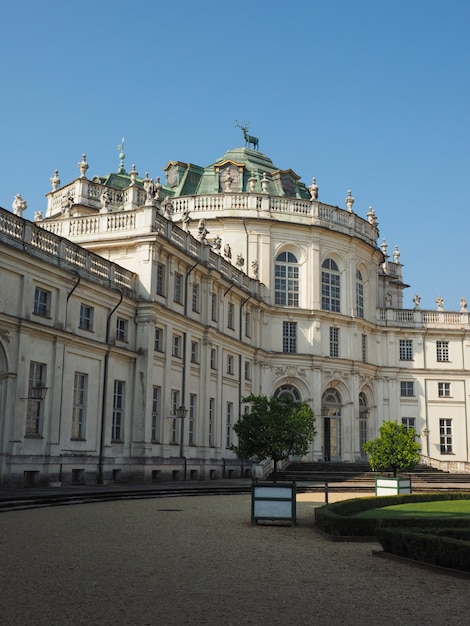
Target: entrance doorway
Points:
(331, 411)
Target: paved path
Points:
(199, 561)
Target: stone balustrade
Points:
(88, 193)
(41, 243)
(417, 318)
(263, 205)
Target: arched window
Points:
(331, 414)
(330, 288)
(363, 416)
(359, 295)
(288, 391)
(286, 282)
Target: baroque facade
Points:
(135, 315)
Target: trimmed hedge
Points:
(435, 549)
(338, 519)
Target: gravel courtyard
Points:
(199, 560)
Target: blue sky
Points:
(367, 95)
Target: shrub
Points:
(433, 548)
(339, 519)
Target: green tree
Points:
(395, 450)
(274, 428)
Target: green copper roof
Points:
(244, 164)
(238, 170)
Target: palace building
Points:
(136, 313)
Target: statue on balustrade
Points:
(105, 199)
(19, 205)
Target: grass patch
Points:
(439, 508)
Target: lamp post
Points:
(181, 414)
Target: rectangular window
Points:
(195, 298)
(248, 324)
(213, 359)
(192, 419)
(334, 342)
(194, 352)
(214, 311)
(445, 429)
(247, 370)
(175, 402)
(118, 411)
(409, 422)
(121, 329)
(330, 290)
(364, 348)
(442, 350)
(407, 389)
(443, 390)
(228, 425)
(80, 386)
(42, 302)
(178, 288)
(230, 366)
(359, 299)
(156, 401)
(406, 349)
(289, 336)
(86, 317)
(211, 422)
(231, 315)
(161, 271)
(158, 345)
(286, 280)
(176, 346)
(36, 398)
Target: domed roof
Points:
(238, 170)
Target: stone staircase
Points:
(360, 472)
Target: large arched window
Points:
(330, 287)
(331, 413)
(286, 284)
(359, 295)
(363, 428)
(288, 391)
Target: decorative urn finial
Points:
(313, 190)
(55, 180)
(83, 166)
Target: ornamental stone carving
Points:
(19, 205)
(5, 335)
(313, 190)
(396, 255)
(167, 208)
(371, 217)
(105, 199)
(55, 180)
(83, 166)
(217, 244)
